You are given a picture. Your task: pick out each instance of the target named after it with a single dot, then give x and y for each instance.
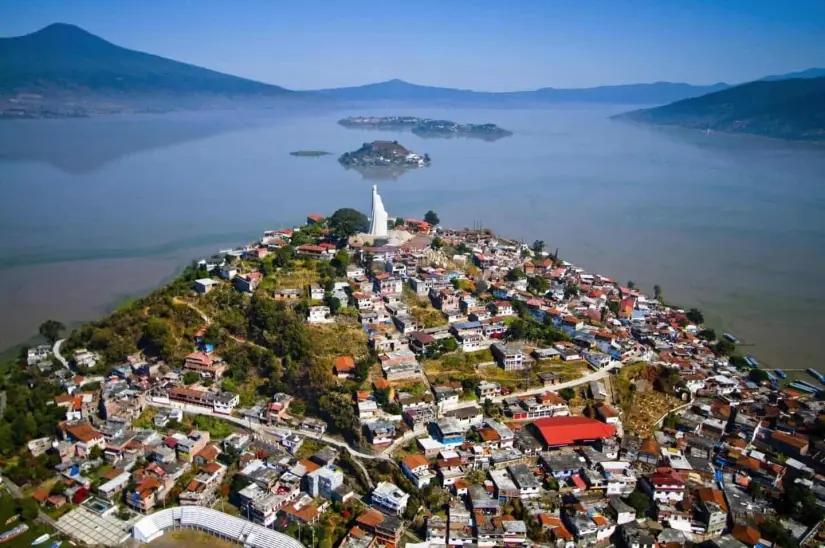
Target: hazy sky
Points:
(478, 44)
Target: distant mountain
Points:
(785, 109)
(63, 70)
(809, 73)
(67, 57)
(399, 90)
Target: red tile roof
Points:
(569, 430)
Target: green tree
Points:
(411, 511)
(340, 262)
(346, 222)
(29, 509)
(640, 501)
(567, 393)
(190, 377)
(631, 285)
(437, 243)
(431, 217)
(538, 247)
(333, 303)
(382, 396)
(724, 347)
(515, 274)
(695, 316)
(758, 376)
(538, 285)
(50, 329)
(657, 292)
(707, 335)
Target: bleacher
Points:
(215, 522)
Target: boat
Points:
(751, 361)
(41, 539)
(809, 385)
(781, 374)
(803, 388)
(730, 337)
(816, 374)
(772, 377)
(55, 544)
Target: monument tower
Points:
(378, 219)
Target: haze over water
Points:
(95, 211)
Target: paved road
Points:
(386, 453)
(56, 352)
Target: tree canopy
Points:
(50, 329)
(347, 221)
(431, 217)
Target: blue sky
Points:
(479, 44)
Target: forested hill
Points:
(785, 109)
(65, 58)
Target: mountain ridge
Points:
(64, 70)
(66, 57)
(401, 90)
(792, 109)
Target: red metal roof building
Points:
(561, 431)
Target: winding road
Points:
(57, 355)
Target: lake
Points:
(96, 211)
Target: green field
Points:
(8, 509)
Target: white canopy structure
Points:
(213, 522)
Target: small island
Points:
(384, 154)
(310, 153)
(426, 127)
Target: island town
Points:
(383, 381)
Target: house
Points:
(227, 272)
(314, 425)
(380, 432)
(344, 367)
(420, 342)
(247, 283)
(220, 402)
(287, 294)
(447, 431)
(319, 314)
(502, 308)
(316, 292)
(466, 417)
(446, 397)
(85, 437)
(635, 536)
(665, 486)
(386, 529)
(389, 498)
(486, 389)
(509, 358)
(204, 285)
(417, 468)
(528, 486)
(607, 414)
(205, 365)
(621, 512)
(324, 481)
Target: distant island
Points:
(425, 127)
(782, 109)
(310, 153)
(384, 154)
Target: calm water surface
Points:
(95, 211)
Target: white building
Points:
(390, 498)
(319, 314)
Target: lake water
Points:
(95, 211)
